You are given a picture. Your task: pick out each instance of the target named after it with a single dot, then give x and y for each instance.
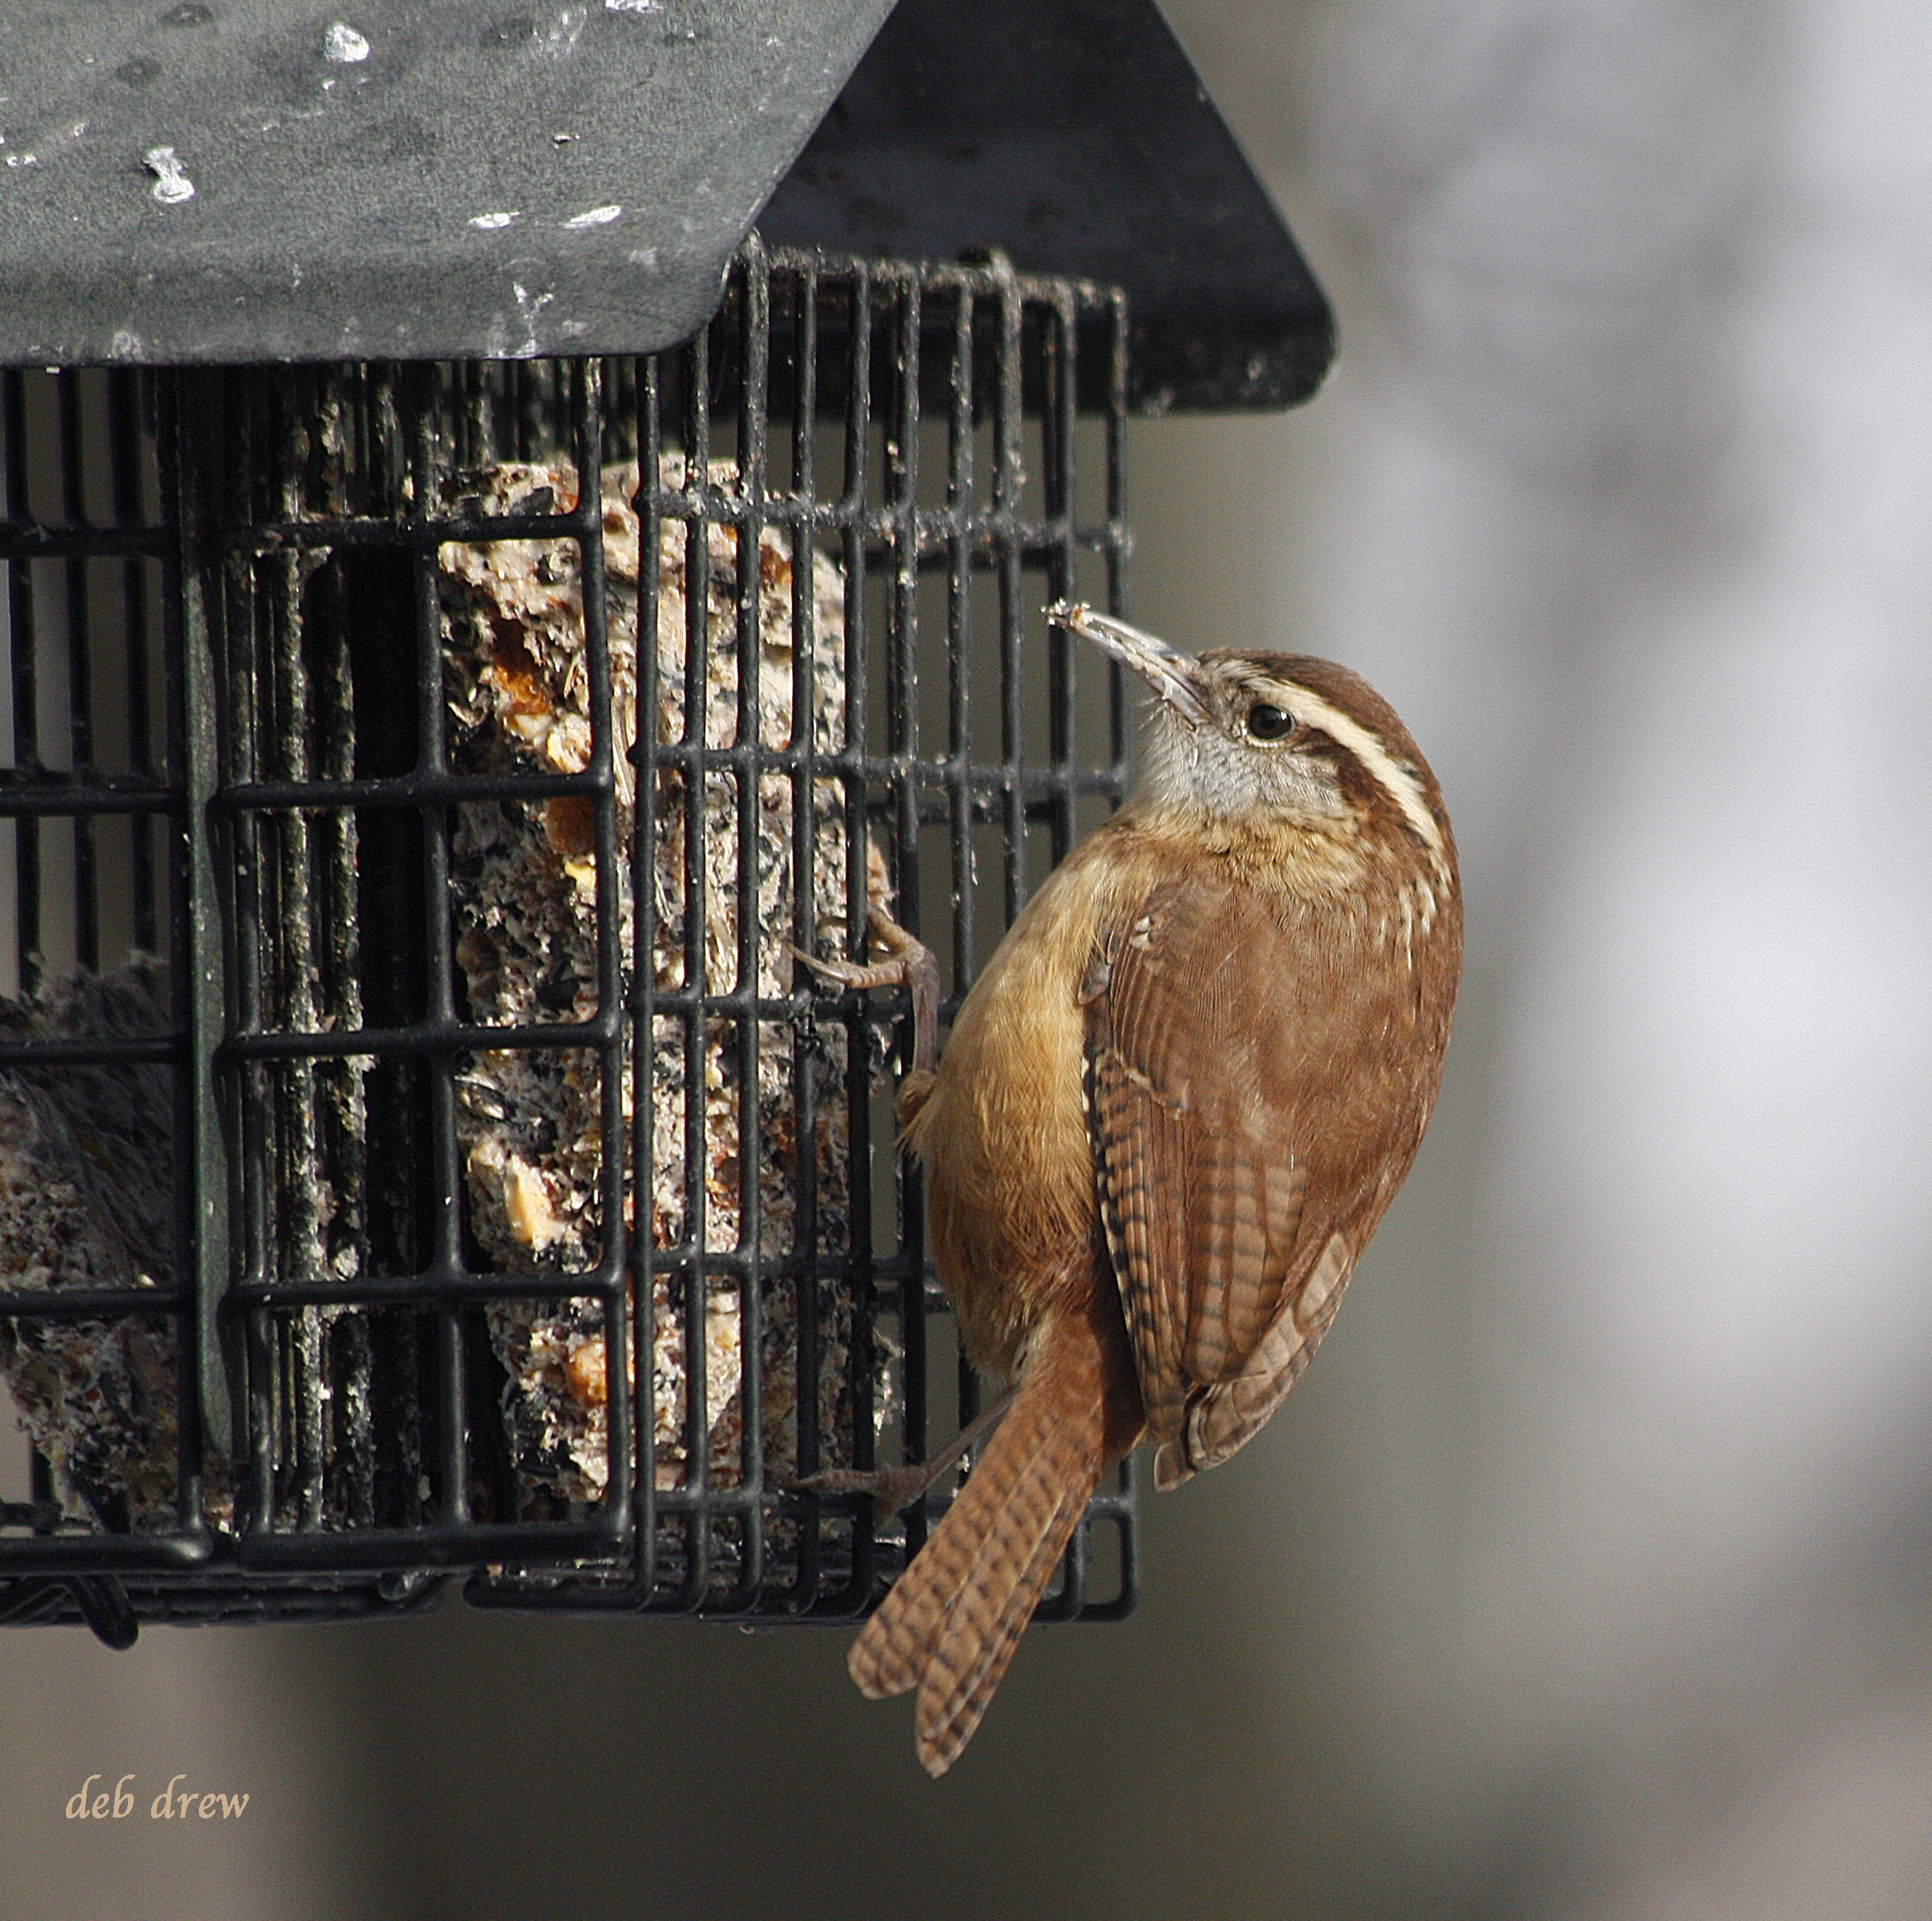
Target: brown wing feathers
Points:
(1202, 1198)
(1243, 1210)
(1221, 1419)
(1142, 1151)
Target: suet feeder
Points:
(511, 522)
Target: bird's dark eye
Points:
(1270, 723)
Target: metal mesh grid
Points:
(851, 496)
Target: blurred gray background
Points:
(1587, 1575)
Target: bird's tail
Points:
(953, 1619)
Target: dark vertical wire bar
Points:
(1120, 542)
(516, 396)
(79, 675)
(1061, 345)
(384, 454)
(289, 699)
(959, 644)
(506, 390)
(697, 984)
(754, 339)
(348, 1443)
(446, 1254)
(457, 380)
(124, 468)
(1007, 483)
(347, 1135)
(643, 970)
(292, 953)
(610, 388)
(24, 644)
(862, 1253)
(959, 632)
(551, 389)
(804, 743)
(851, 520)
(1127, 1594)
(492, 412)
(586, 406)
(41, 1490)
(539, 424)
(462, 395)
(361, 472)
(260, 475)
(471, 413)
(348, 1359)
(633, 370)
(348, 430)
(901, 480)
(901, 508)
(200, 1255)
(222, 467)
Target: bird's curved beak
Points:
(1174, 676)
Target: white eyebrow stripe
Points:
(1397, 781)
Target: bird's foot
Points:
(895, 1489)
(892, 1489)
(906, 962)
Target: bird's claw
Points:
(895, 970)
(892, 1490)
(908, 962)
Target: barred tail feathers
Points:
(950, 1624)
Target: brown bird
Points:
(1169, 1115)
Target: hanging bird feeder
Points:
(508, 528)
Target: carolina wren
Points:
(1169, 1115)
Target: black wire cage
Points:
(421, 1159)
